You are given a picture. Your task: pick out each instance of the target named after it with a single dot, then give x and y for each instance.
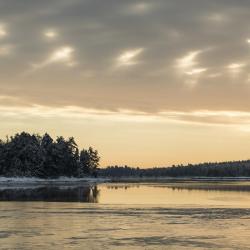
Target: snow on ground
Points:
(60, 181)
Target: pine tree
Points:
(89, 161)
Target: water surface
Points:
(181, 215)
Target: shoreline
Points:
(61, 181)
(87, 181)
(175, 179)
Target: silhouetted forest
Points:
(41, 156)
(222, 169)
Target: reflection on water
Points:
(51, 194)
(188, 193)
(127, 217)
(192, 193)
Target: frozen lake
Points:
(176, 215)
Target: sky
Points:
(147, 83)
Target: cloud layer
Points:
(155, 57)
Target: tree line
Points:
(32, 155)
(215, 169)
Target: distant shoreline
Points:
(66, 181)
(176, 179)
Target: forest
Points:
(221, 169)
(32, 155)
(26, 155)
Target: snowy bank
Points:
(30, 181)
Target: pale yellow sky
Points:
(147, 83)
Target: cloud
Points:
(128, 57)
(63, 55)
(189, 60)
(222, 117)
(186, 65)
(3, 31)
(50, 34)
(197, 71)
(235, 68)
(234, 119)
